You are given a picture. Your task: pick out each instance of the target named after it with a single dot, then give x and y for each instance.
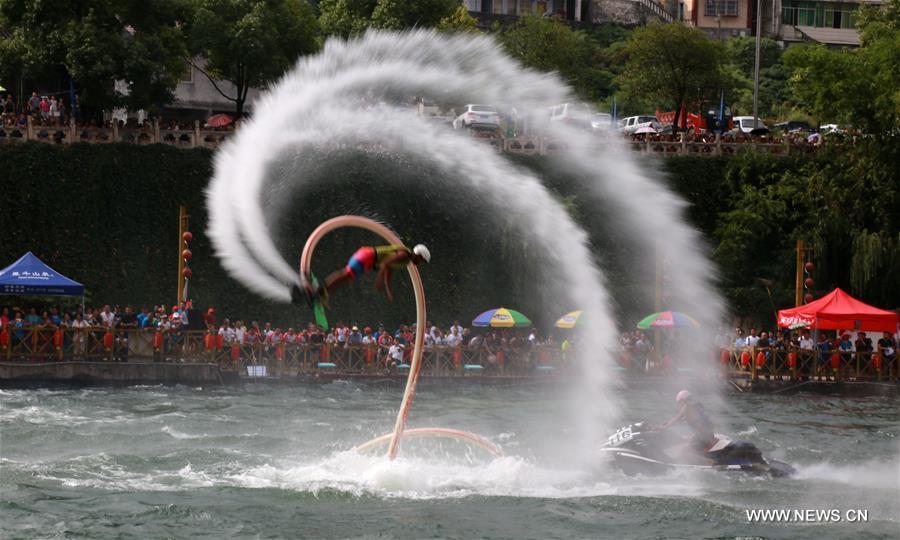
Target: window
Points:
(724, 8)
(187, 77)
(819, 14)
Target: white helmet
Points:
(423, 252)
(684, 395)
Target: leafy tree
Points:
(94, 43)
(345, 17)
(858, 86)
(549, 45)
(249, 43)
(773, 75)
(401, 14)
(673, 65)
(460, 21)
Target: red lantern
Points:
(792, 359)
(745, 358)
(808, 282)
(220, 342)
(725, 356)
(666, 361)
(4, 338)
(209, 341)
(808, 298)
(876, 361)
(187, 236)
(187, 273)
(324, 353)
(370, 355)
(760, 359)
(235, 351)
(500, 358)
(58, 339)
(809, 267)
(279, 352)
(108, 340)
(186, 254)
(835, 361)
(157, 341)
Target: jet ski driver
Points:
(693, 413)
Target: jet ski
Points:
(638, 450)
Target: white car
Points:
(633, 123)
(478, 116)
(581, 115)
(745, 124)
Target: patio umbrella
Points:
(501, 318)
(645, 129)
(219, 120)
(569, 320)
(667, 319)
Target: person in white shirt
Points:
(395, 353)
(806, 342)
(453, 338)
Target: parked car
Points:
(601, 122)
(633, 123)
(478, 116)
(745, 124)
(794, 125)
(830, 128)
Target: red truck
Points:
(697, 122)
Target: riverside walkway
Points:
(100, 356)
(199, 137)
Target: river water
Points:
(275, 462)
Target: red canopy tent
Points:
(838, 310)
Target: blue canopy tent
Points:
(29, 276)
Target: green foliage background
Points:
(107, 216)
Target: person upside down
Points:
(365, 259)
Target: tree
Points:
(348, 17)
(345, 17)
(92, 44)
(460, 21)
(859, 86)
(249, 43)
(402, 14)
(547, 44)
(673, 65)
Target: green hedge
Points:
(106, 215)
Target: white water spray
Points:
(356, 96)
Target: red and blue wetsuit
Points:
(368, 257)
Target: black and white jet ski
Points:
(636, 449)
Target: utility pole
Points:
(756, 64)
(183, 219)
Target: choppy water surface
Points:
(273, 462)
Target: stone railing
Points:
(149, 133)
(152, 133)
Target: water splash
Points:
(355, 97)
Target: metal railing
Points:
(51, 344)
(793, 363)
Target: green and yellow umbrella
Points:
(570, 319)
(501, 318)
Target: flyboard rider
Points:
(365, 259)
(693, 414)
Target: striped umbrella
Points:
(501, 318)
(570, 319)
(667, 319)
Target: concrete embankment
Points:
(111, 374)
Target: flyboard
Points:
(415, 364)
